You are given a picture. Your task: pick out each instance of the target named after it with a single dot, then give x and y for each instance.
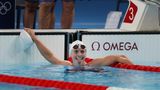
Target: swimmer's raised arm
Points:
(46, 53)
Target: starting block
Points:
(142, 15)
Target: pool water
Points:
(113, 77)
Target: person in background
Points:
(47, 16)
(78, 56)
(29, 13)
(46, 13)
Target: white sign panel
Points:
(11, 53)
(141, 49)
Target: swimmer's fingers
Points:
(31, 33)
(27, 30)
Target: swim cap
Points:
(77, 42)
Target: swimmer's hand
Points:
(31, 33)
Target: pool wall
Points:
(11, 52)
(141, 47)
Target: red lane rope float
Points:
(49, 83)
(137, 67)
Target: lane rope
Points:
(137, 67)
(49, 83)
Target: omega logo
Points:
(114, 46)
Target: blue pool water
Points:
(5, 86)
(112, 77)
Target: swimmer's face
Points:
(79, 52)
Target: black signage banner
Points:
(7, 14)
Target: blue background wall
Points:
(88, 13)
(91, 13)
